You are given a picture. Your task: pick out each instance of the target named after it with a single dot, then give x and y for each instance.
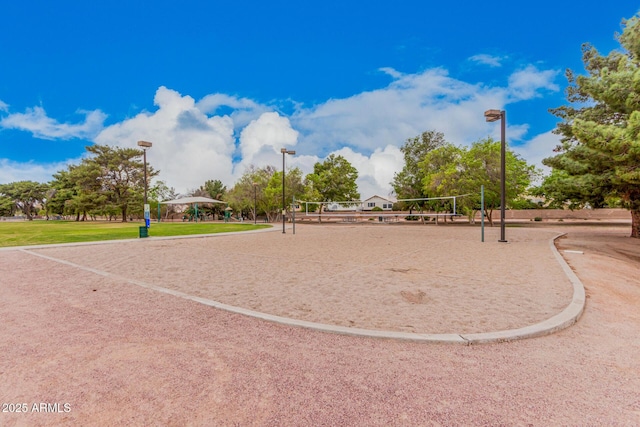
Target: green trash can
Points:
(144, 232)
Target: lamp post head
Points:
(492, 115)
(144, 144)
(285, 151)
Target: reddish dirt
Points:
(122, 355)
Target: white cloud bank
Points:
(193, 141)
(188, 146)
(11, 171)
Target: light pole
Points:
(492, 116)
(255, 204)
(284, 151)
(145, 145)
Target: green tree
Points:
(77, 191)
(294, 187)
(407, 184)
(599, 154)
(213, 189)
(442, 174)
(25, 195)
(108, 183)
(250, 184)
(332, 180)
(160, 192)
(121, 175)
(7, 207)
(451, 171)
(265, 184)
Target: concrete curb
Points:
(562, 320)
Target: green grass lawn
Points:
(47, 232)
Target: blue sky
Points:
(218, 86)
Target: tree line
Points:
(110, 183)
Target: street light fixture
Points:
(255, 209)
(145, 145)
(492, 116)
(284, 151)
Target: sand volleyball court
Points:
(419, 279)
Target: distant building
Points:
(377, 201)
(355, 206)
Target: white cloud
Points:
(262, 139)
(36, 121)
(196, 141)
(485, 59)
(514, 133)
(4, 107)
(408, 106)
(188, 146)
(375, 172)
(210, 103)
(392, 72)
(527, 83)
(11, 171)
(241, 110)
(538, 148)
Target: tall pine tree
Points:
(599, 156)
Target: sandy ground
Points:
(79, 335)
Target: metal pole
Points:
(144, 151)
(147, 222)
(503, 174)
(283, 153)
(482, 213)
(147, 214)
(255, 209)
(293, 213)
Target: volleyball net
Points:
(419, 207)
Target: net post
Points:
(482, 213)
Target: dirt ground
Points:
(84, 342)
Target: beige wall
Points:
(603, 214)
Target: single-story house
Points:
(385, 204)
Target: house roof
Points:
(380, 197)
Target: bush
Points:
(537, 218)
(524, 204)
(376, 209)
